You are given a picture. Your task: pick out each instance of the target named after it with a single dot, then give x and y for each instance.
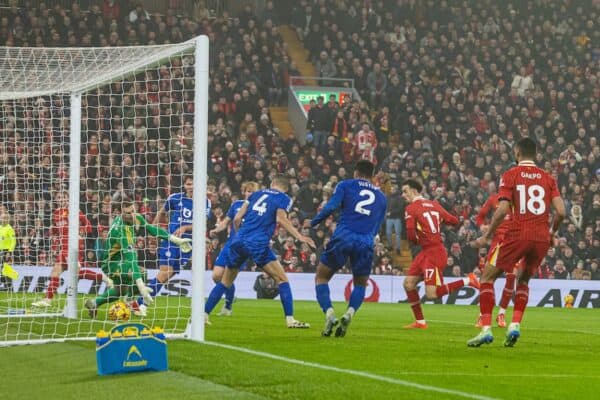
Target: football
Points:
(119, 312)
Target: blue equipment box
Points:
(131, 347)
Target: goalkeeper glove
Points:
(109, 282)
(185, 244)
(145, 291)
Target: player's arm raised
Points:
(483, 211)
(237, 220)
(283, 220)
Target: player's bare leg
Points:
(276, 271)
(414, 300)
(486, 305)
(322, 278)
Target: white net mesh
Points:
(137, 120)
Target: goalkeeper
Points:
(120, 261)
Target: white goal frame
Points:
(15, 85)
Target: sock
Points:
(88, 274)
(487, 301)
(214, 297)
(229, 295)
(107, 297)
(52, 287)
(501, 310)
(449, 287)
(356, 298)
(287, 301)
(508, 291)
(415, 303)
(323, 296)
(521, 298)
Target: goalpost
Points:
(96, 126)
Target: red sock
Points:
(52, 287)
(415, 303)
(509, 289)
(85, 273)
(449, 287)
(487, 301)
(521, 298)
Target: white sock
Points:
(501, 311)
(421, 321)
(330, 313)
(350, 312)
(466, 281)
(289, 319)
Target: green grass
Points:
(556, 358)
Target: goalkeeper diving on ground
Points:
(120, 261)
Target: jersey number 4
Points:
(261, 205)
(360, 206)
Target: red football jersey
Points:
(530, 190)
(491, 204)
(60, 228)
(423, 222)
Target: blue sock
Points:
(323, 296)
(155, 285)
(214, 297)
(287, 301)
(229, 295)
(357, 297)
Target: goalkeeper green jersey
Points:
(120, 255)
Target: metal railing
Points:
(321, 82)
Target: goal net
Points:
(84, 130)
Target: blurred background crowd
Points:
(447, 88)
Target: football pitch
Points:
(252, 355)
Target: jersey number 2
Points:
(360, 206)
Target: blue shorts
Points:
(339, 250)
(240, 251)
(224, 258)
(171, 255)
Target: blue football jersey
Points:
(180, 208)
(261, 217)
(233, 210)
(362, 209)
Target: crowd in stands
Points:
(446, 90)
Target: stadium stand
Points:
(447, 91)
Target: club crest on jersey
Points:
(187, 213)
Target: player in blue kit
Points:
(363, 208)
(223, 258)
(178, 209)
(260, 214)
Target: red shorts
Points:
(506, 255)
(430, 264)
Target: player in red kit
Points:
(60, 245)
(490, 205)
(531, 192)
(423, 221)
